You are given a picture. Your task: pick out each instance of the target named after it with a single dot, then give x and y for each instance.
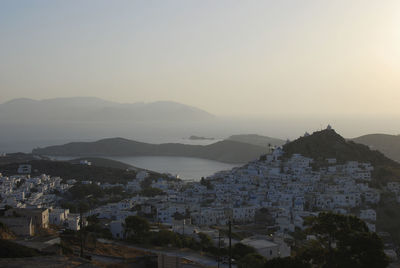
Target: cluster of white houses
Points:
(31, 200)
(21, 191)
(289, 190)
(31, 221)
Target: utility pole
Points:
(219, 247)
(230, 243)
(81, 229)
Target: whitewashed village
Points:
(285, 191)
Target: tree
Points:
(82, 191)
(20, 183)
(163, 238)
(136, 228)
(151, 192)
(205, 240)
(206, 183)
(178, 216)
(263, 216)
(252, 260)
(93, 219)
(342, 241)
(287, 262)
(240, 250)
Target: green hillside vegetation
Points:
(388, 216)
(67, 171)
(223, 151)
(257, 140)
(387, 144)
(86, 196)
(18, 158)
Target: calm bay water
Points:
(187, 168)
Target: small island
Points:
(193, 137)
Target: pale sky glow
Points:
(227, 57)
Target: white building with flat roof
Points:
(263, 246)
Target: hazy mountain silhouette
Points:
(224, 151)
(96, 110)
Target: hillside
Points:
(96, 161)
(257, 140)
(328, 144)
(387, 144)
(18, 158)
(223, 151)
(68, 170)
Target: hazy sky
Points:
(227, 57)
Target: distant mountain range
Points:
(257, 140)
(387, 144)
(224, 151)
(83, 109)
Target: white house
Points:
(263, 246)
(73, 222)
(331, 161)
(24, 169)
(117, 229)
(58, 216)
(393, 186)
(368, 214)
